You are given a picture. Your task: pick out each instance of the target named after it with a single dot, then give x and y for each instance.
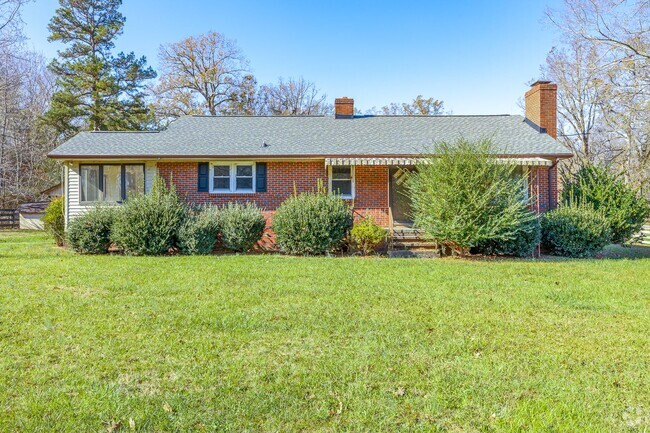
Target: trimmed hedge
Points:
(148, 224)
(575, 231)
(312, 223)
(241, 226)
(90, 233)
(198, 234)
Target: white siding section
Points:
(73, 207)
(150, 170)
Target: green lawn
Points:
(268, 343)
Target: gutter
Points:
(282, 157)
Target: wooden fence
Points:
(9, 219)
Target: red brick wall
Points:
(541, 106)
(281, 179)
(371, 187)
(538, 180)
(371, 183)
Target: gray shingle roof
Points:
(230, 136)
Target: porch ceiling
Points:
(528, 162)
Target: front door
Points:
(400, 202)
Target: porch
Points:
(381, 191)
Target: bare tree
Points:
(620, 24)
(603, 75)
(293, 97)
(576, 70)
(244, 100)
(418, 107)
(10, 24)
(26, 87)
(198, 75)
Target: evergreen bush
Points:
(241, 226)
(148, 224)
(575, 230)
(54, 220)
(312, 223)
(462, 197)
(198, 234)
(366, 235)
(90, 233)
(624, 208)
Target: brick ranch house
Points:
(262, 159)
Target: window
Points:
(521, 172)
(341, 179)
(233, 177)
(244, 177)
(110, 183)
(221, 178)
(89, 179)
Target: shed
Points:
(30, 215)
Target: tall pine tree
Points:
(96, 90)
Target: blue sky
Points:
(475, 55)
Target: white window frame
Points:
(353, 179)
(233, 177)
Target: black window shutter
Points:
(204, 177)
(260, 177)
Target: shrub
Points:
(366, 235)
(54, 220)
(522, 243)
(575, 230)
(148, 224)
(625, 209)
(462, 197)
(90, 233)
(241, 226)
(198, 234)
(312, 223)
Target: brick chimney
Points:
(541, 107)
(344, 108)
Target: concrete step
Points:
(408, 238)
(418, 243)
(414, 253)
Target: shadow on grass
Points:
(611, 252)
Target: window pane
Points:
(342, 172)
(244, 183)
(89, 178)
(112, 183)
(244, 170)
(343, 187)
(134, 179)
(222, 183)
(222, 170)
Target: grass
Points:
(270, 343)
